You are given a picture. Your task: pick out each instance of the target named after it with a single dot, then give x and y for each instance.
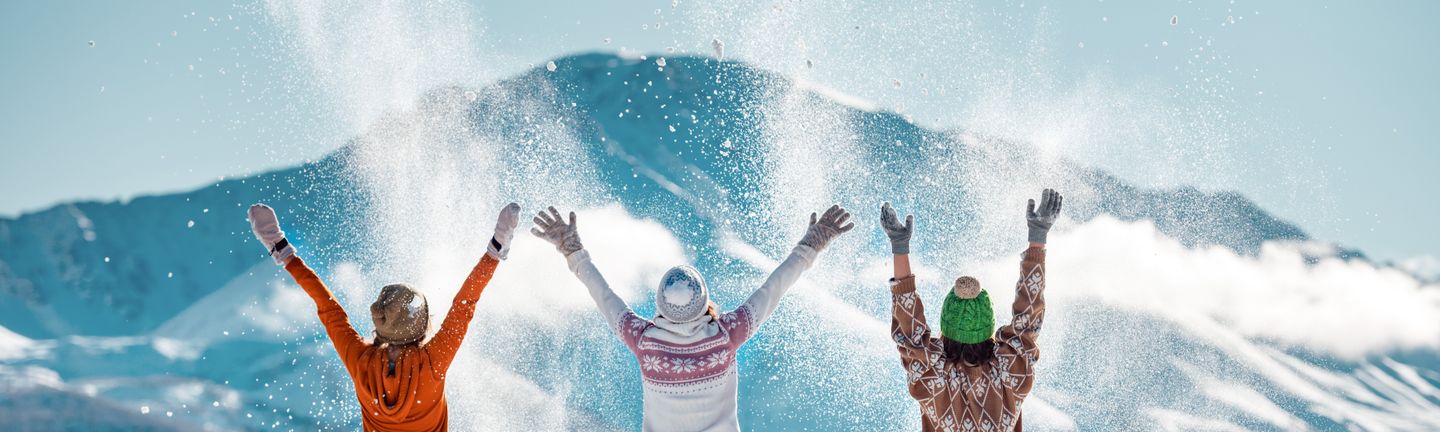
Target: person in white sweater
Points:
(687, 353)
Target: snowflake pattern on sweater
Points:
(671, 365)
(954, 397)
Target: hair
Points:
(968, 354)
(713, 311)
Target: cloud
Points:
(1350, 309)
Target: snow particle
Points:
(607, 41)
(471, 96)
(660, 61)
(190, 224)
(550, 66)
(169, 413)
(897, 83)
(809, 64)
(91, 43)
(719, 48)
(1174, 20)
(169, 275)
(1082, 44)
(144, 409)
(107, 259)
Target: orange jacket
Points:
(413, 399)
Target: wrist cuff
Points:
(1038, 235)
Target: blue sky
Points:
(1323, 112)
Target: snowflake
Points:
(716, 359)
(652, 363)
(682, 364)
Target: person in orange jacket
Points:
(399, 375)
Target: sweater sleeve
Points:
(918, 349)
(446, 343)
(763, 301)
(1015, 342)
(617, 314)
(347, 341)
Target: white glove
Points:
(267, 229)
(504, 231)
(554, 230)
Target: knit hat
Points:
(682, 296)
(401, 315)
(967, 317)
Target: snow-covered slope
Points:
(163, 311)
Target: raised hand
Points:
(826, 227)
(267, 229)
(504, 231)
(554, 230)
(1039, 219)
(898, 233)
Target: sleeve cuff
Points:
(806, 252)
(902, 285)
(574, 260)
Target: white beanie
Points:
(682, 296)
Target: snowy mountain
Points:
(1175, 309)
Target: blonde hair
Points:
(712, 310)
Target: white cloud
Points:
(1348, 309)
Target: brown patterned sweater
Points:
(987, 397)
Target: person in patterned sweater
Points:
(969, 379)
(687, 353)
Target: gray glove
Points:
(554, 230)
(826, 228)
(1040, 219)
(899, 234)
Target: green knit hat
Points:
(967, 321)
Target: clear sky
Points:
(1323, 112)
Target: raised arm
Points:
(347, 341)
(907, 324)
(566, 238)
(1017, 339)
(822, 229)
(447, 341)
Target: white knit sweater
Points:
(688, 369)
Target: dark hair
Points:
(968, 354)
